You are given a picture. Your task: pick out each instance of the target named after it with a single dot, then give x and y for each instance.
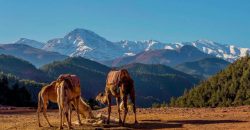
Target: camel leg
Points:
(132, 98)
(70, 113)
(109, 108)
(68, 120)
(77, 100)
(39, 109)
(38, 116)
(118, 107)
(45, 105)
(125, 109)
(61, 118)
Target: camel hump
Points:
(63, 76)
(113, 77)
(69, 84)
(116, 76)
(74, 79)
(124, 74)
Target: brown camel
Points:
(65, 94)
(118, 84)
(76, 91)
(49, 93)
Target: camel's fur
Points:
(64, 96)
(49, 93)
(118, 84)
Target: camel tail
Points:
(39, 103)
(39, 107)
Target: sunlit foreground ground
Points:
(157, 118)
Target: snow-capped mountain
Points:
(85, 43)
(133, 47)
(30, 42)
(226, 52)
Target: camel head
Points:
(102, 98)
(88, 113)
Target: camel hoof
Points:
(136, 122)
(120, 122)
(50, 125)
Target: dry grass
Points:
(158, 118)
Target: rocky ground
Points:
(151, 118)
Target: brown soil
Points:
(157, 118)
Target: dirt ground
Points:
(157, 118)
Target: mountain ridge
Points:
(167, 57)
(88, 44)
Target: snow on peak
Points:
(82, 42)
(227, 52)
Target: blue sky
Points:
(225, 21)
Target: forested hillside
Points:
(230, 87)
(16, 92)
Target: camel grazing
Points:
(49, 93)
(118, 84)
(85, 110)
(65, 94)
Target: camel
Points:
(49, 93)
(119, 84)
(65, 94)
(76, 91)
(46, 94)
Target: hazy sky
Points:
(225, 21)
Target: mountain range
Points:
(88, 44)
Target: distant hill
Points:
(166, 57)
(35, 56)
(203, 68)
(229, 87)
(158, 83)
(21, 69)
